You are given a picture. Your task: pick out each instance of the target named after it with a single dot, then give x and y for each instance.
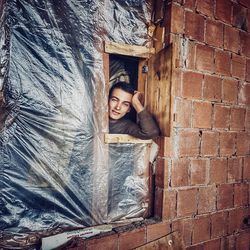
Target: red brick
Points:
(158, 230)
(132, 239)
(235, 168)
(177, 25)
(209, 143)
(223, 63)
(204, 58)
(223, 10)
(231, 39)
(198, 171)
(185, 227)
(207, 199)
(221, 117)
(230, 91)
(225, 196)
(206, 7)
(219, 224)
(227, 143)
(241, 194)
(187, 202)
(169, 205)
(189, 143)
(183, 111)
(245, 41)
(194, 26)
(192, 85)
(110, 242)
(243, 144)
(201, 230)
(247, 121)
(191, 54)
(212, 88)
(244, 94)
(180, 169)
(214, 33)
(202, 115)
(248, 21)
(212, 244)
(236, 218)
(237, 118)
(161, 173)
(248, 69)
(246, 169)
(238, 66)
(245, 3)
(218, 170)
(189, 4)
(230, 242)
(158, 202)
(243, 240)
(239, 17)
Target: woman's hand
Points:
(136, 101)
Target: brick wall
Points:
(209, 163)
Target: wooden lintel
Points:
(128, 50)
(123, 138)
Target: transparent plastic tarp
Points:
(55, 170)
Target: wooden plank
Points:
(128, 50)
(123, 138)
(158, 10)
(158, 92)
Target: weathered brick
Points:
(183, 111)
(214, 33)
(246, 169)
(219, 224)
(206, 7)
(209, 143)
(201, 231)
(230, 91)
(248, 21)
(235, 168)
(230, 242)
(207, 199)
(247, 120)
(241, 194)
(223, 10)
(161, 173)
(186, 202)
(244, 94)
(192, 85)
(185, 227)
(202, 115)
(194, 26)
(132, 239)
(225, 196)
(180, 169)
(238, 118)
(111, 243)
(227, 143)
(242, 241)
(158, 230)
(248, 69)
(212, 244)
(223, 63)
(245, 3)
(204, 58)
(169, 204)
(212, 89)
(236, 218)
(198, 171)
(189, 4)
(188, 143)
(245, 41)
(242, 144)
(231, 39)
(177, 24)
(191, 55)
(239, 17)
(221, 117)
(238, 66)
(218, 170)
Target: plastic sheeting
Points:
(55, 170)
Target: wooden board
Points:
(123, 138)
(158, 88)
(128, 50)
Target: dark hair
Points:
(124, 86)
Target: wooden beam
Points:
(123, 138)
(128, 50)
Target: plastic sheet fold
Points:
(55, 170)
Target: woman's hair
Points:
(127, 87)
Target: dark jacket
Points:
(145, 129)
